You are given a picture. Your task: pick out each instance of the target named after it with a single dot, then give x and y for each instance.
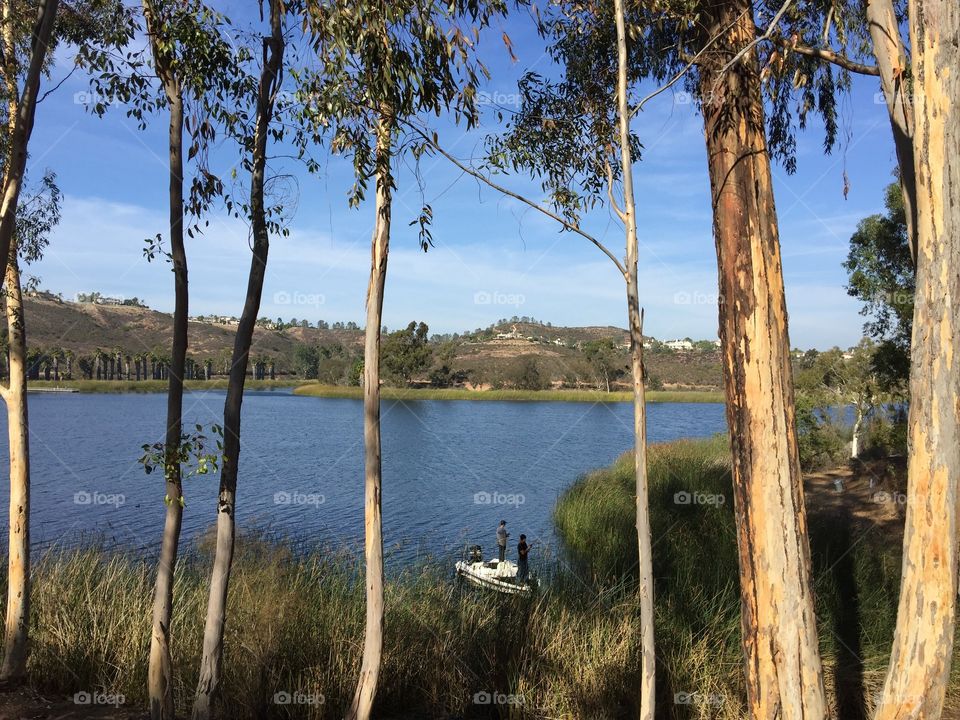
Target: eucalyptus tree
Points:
(194, 62)
(380, 64)
(815, 45)
(36, 218)
(264, 220)
(27, 40)
(919, 669)
(188, 68)
(709, 46)
(575, 134)
(925, 133)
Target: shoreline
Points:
(112, 387)
(350, 392)
(391, 393)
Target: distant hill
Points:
(491, 357)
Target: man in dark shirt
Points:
(502, 536)
(522, 550)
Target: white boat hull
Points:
(493, 575)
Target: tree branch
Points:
(683, 71)
(759, 39)
(830, 56)
(516, 196)
(613, 203)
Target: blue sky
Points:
(492, 257)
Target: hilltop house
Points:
(678, 344)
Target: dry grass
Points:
(571, 651)
(593, 396)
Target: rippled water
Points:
(452, 470)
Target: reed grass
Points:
(570, 651)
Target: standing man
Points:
(502, 536)
(523, 549)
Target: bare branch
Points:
(759, 39)
(572, 227)
(683, 71)
(613, 203)
(830, 56)
(57, 86)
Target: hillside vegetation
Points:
(522, 355)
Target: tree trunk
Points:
(784, 677)
(919, 669)
(212, 658)
(16, 643)
(893, 65)
(855, 442)
(648, 660)
(22, 109)
(366, 691)
(160, 670)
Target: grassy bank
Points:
(154, 386)
(571, 651)
(296, 626)
(390, 393)
(856, 575)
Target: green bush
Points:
(821, 440)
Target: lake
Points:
(451, 469)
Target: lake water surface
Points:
(451, 469)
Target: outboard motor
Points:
(476, 554)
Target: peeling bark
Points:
(366, 691)
(919, 669)
(784, 678)
(892, 62)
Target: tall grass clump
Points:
(296, 616)
(856, 572)
(295, 629)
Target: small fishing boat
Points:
(492, 574)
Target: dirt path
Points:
(872, 496)
(29, 705)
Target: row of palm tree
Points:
(56, 364)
